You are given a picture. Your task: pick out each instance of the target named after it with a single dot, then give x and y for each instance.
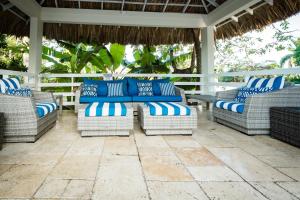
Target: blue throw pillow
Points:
(115, 89)
(124, 85)
(245, 92)
(102, 87)
(12, 83)
(133, 88)
(89, 90)
(156, 87)
(25, 92)
(145, 89)
(167, 89)
(275, 83)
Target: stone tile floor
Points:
(215, 163)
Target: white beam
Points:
(234, 18)
(29, 7)
(35, 47)
(228, 9)
(126, 18)
(250, 11)
(207, 57)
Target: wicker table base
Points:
(167, 125)
(105, 126)
(285, 124)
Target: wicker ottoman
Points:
(285, 124)
(167, 125)
(105, 125)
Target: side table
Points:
(60, 99)
(285, 124)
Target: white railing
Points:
(25, 77)
(45, 79)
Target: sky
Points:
(267, 34)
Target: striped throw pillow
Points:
(145, 89)
(115, 89)
(12, 83)
(167, 89)
(275, 83)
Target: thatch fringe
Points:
(263, 16)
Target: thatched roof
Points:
(264, 14)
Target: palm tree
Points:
(293, 57)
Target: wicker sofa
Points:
(255, 118)
(179, 93)
(21, 121)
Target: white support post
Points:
(35, 48)
(207, 58)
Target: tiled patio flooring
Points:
(215, 163)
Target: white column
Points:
(207, 58)
(35, 48)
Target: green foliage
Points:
(11, 53)
(293, 57)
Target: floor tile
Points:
(197, 157)
(76, 167)
(292, 172)
(214, 173)
(181, 142)
(120, 177)
(281, 161)
(120, 146)
(273, 191)
(21, 181)
(78, 189)
(175, 191)
(231, 191)
(164, 168)
(86, 146)
(247, 166)
(52, 188)
(292, 187)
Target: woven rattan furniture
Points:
(21, 122)
(256, 116)
(285, 124)
(1, 130)
(166, 125)
(105, 125)
(178, 91)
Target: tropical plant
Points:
(294, 56)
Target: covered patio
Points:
(215, 162)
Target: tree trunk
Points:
(197, 43)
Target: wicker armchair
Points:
(21, 122)
(256, 116)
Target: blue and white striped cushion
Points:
(45, 108)
(98, 109)
(231, 106)
(115, 89)
(168, 109)
(275, 83)
(167, 89)
(12, 83)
